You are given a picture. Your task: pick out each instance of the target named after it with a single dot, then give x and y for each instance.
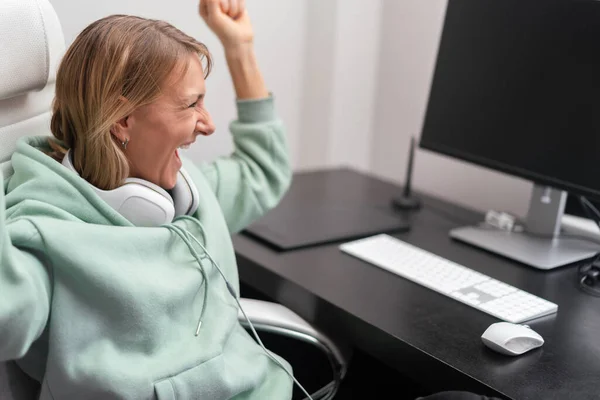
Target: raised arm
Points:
(253, 179)
(24, 286)
(229, 20)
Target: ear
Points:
(121, 129)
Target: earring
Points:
(124, 144)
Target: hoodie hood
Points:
(41, 185)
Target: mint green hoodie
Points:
(100, 309)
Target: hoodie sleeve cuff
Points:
(256, 110)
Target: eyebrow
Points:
(195, 96)
(186, 99)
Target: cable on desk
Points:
(583, 276)
(589, 208)
(588, 274)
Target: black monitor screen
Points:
(517, 88)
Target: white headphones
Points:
(145, 204)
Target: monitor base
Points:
(534, 251)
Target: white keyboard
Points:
(449, 278)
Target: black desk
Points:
(425, 335)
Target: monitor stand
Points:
(540, 245)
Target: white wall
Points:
(317, 96)
(354, 81)
(279, 27)
(340, 75)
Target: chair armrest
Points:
(276, 318)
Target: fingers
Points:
(225, 6)
(202, 7)
(209, 7)
(222, 9)
(233, 8)
(242, 6)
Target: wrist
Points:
(245, 73)
(238, 51)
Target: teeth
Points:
(184, 147)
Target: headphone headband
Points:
(145, 204)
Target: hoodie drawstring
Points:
(212, 261)
(185, 236)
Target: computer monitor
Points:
(516, 88)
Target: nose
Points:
(205, 124)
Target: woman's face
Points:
(156, 131)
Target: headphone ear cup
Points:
(141, 202)
(145, 204)
(185, 194)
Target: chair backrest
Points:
(31, 46)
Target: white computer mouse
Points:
(511, 339)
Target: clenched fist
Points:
(229, 20)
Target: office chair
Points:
(31, 45)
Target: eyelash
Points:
(195, 104)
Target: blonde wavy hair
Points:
(114, 66)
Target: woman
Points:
(117, 270)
